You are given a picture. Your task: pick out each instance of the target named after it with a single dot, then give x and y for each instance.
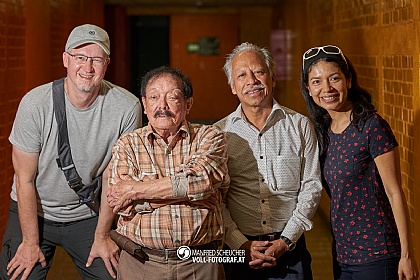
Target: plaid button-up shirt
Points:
(196, 161)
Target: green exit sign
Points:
(193, 47)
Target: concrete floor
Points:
(318, 242)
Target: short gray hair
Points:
(227, 68)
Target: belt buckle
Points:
(270, 237)
(167, 254)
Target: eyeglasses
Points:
(82, 59)
(328, 49)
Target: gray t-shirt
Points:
(92, 133)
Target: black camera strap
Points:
(64, 160)
(88, 194)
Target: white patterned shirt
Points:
(275, 175)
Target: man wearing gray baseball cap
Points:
(86, 34)
(46, 208)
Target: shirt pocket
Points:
(287, 174)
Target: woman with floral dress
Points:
(360, 161)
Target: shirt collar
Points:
(276, 110)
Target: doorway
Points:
(149, 47)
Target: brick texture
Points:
(12, 85)
(398, 109)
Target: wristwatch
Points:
(290, 244)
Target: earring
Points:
(310, 94)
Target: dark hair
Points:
(360, 99)
(163, 70)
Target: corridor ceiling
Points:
(193, 3)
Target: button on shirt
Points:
(275, 175)
(196, 162)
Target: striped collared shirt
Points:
(196, 162)
(275, 175)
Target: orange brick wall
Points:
(398, 108)
(12, 84)
(381, 37)
(32, 39)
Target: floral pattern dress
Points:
(361, 216)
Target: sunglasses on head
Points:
(328, 49)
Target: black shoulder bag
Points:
(88, 194)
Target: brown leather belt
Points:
(142, 252)
(265, 237)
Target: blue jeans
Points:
(292, 265)
(76, 238)
(378, 270)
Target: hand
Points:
(254, 253)
(209, 203)
(26, 257)
(120, 195)
(407, 269)
(277, 249)
(105, 248)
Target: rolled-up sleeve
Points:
(206, 168)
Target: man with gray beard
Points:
(45, 211)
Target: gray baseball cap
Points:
(88, 33)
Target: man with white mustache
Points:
(273, 164)
(45, 210)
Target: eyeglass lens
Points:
(82, 59)
(331, 49)
(312, 52)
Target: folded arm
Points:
(202, 179)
